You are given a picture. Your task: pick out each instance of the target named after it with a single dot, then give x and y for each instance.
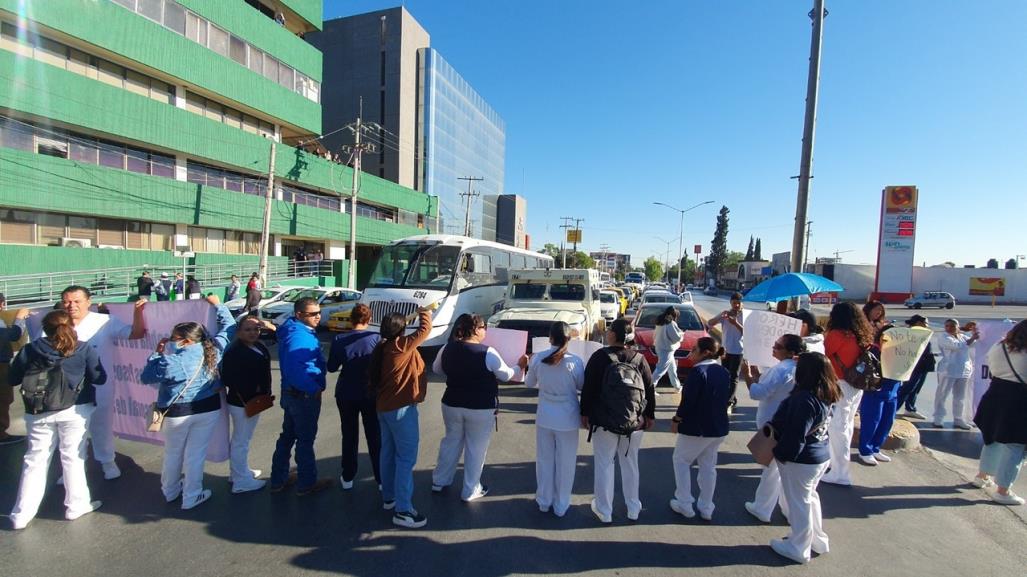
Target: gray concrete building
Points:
(511, 220)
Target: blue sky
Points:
(610, 106)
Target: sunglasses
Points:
(311, 313)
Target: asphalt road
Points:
(915, 515)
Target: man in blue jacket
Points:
(303, 379)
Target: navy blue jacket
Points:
(84, 363)
(351, 352)
(469, 382)
(704, 399)
(801, 423)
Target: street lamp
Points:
(681, 229)
(666, 258)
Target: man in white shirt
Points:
(100, 331)
(730, 322)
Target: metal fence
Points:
(110, 284)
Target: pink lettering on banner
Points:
(132, 399)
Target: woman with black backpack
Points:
(618, 404)
(57, 374)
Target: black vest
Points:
(469, 383)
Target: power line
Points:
(470, 197)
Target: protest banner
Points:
(132, 398)
(992, 331)
(761, 329)
(511, 345)
(901, 348)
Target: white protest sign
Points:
(901, 349)
(511, 345)
(761, 330)
(132, 398)
(991, 331)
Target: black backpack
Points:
(621, 405)
(44, 388)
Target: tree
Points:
(749, 251)
(757, 253)
(718, 248)
(552, 250)
(992, 263)
(687, 273)
(653, 269)
(732, 260)
(1011, 264)
(579, 260)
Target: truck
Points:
(537, 298)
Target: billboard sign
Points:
(698, 249)
(987, 286)
(574, 235)
(897, 240)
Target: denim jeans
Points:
(910, 389)
(1003, 461)
(299, 428)
(400, 436)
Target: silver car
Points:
(938, 299)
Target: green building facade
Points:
(125, 124)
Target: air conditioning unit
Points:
(76, 242)
(111, 246)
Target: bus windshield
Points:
(416, 265)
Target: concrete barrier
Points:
(904, 435)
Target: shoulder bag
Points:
(157, 416)
(762, 444)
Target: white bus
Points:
(463, 275)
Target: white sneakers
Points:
(200, 499)
(682, 509)
(913, 415)
(868, 460)
(252, 485)
(964, 425)
(882, 458)
(783, 548)
(1010, 498)
(982, 483)
(751, 508)
(604, 519)
(111, 470)
(92, 507)
(346, 485)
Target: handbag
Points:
(157, 416)
(762, 444)
(257, 404)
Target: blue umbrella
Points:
(791, 285)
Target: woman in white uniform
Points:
(558, 375)
(954, 372)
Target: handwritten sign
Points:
(761, 330)
(901, 349)
(511, 345)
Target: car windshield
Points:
(608, 298)
(297, 294)
(416, 265)
(661, 299)
(567, 292)
(688, 321)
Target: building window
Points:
(138, 160)
(174, 17)
(112, 155)
(83, 150)
(17, 226)
(218, 40)
(162, 165)
(51, 228)
(238, 50)
(150, 8)
(111, 232)
(137, 235)
(52, 147)
(161, 236)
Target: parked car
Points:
(686, 297)
(331, 299)
(938, 299)
(609, 305)
(268, 295)
(659, 297)
(689, 321)
(622, 298)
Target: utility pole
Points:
(604, 248)
(805, 254)
(358, 148)
(265, 231)
(808, 131)
(470, 197)
(565, 226)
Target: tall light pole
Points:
(666, 257)
(681, 229)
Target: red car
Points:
(689, 321)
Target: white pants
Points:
(688, 450)
(605, 448)
(66, 429)
(185, 451)
(957, 387)
(799, 485)
(768, 493)
(468, 431)
(840, 433)
(101, 425)
(556, 456)
(242, 432)
(666, 363)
